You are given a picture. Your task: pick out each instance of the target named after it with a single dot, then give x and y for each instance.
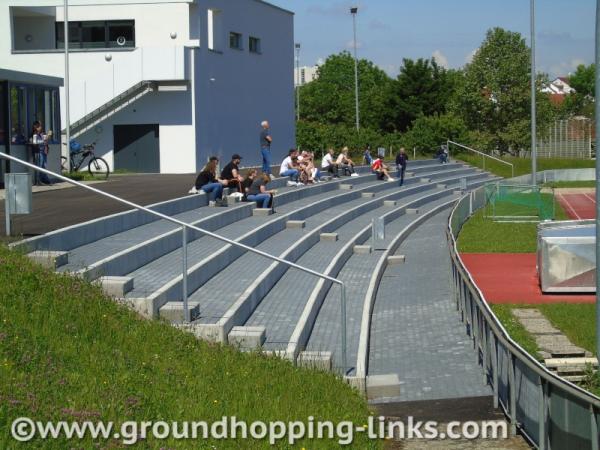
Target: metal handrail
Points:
(500, 335)
(484, 155)
(185, 226)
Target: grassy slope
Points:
(69, 353)
(515, 329)
(523, 165)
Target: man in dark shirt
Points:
(265, 147)
(401, 161)
(231, 173)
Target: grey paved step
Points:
(415, 329)
(356, 273)
(152, 276)
(219, 293)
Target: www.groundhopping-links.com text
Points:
(25, 429)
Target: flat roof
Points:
(29, 78)
(275, 6)
(60, 3)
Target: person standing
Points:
(265, 147)
(40, 151)
(401, 161)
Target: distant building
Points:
(306, 75)
(559, 86)
(160, 85)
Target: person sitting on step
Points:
(258, 191)
(381, 170)
(207, 182)
(288, 168)
(345, 163)
(329, 164)
(245, 185)
(230, 175)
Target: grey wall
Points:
(41, 30)
(247, 87)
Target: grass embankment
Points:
(523, 165)
(571, 184)
(69, 353)
(480, 234)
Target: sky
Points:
(450, 30)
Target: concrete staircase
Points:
(250, 301)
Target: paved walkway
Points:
(416, 331)
(57, 208)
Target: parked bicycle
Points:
(80, 155)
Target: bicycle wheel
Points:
(98, 168)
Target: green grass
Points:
(69, 353)
(515, 329)
(571, 184)
(481, 234)
(576, 321)
(523, 165)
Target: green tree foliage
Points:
(581, 103)
(330, 99)
(494, 99)
(422, 88)
(428, 132)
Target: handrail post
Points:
(594, 428)
(184, 287)
(513, 394)
(343, 328)
(542, 414)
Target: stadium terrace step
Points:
(216, 320)
(160, 280)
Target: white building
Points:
(559, 86)
(305, 74)
(160, 85)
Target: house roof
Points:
(29, 78)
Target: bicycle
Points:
(97, 167)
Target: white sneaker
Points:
(212, 203)
(299, 184)
(291, 183)
(193, 190)
(354, 175)
(391, 179)
(271, 176)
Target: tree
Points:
(495, 99)
(581, 102)
(330, 98)
(428, 132)
(422, 88)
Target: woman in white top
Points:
(40, 151)
(329, 164)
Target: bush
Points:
(427, 133)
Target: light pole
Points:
(353, 11)
(533, 97)
(298, 82)
(67, 112)
(597, 177)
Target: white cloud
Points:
(350, 45)
(470, 56)
(440, 59)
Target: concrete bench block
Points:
(367, 194)
(412, 210)
(346, 186)
(330, 237)
(173, 311)
(116, 286)
(316, 360)
(396, 259)
(425, 180)
(381, 386)
(457, 192)
(295, 224)
(262, 211)
(409, 174)
(390, 203)
(247, 337)
(358, 383)
(441, 186)
(231, 200)
(49, 259)
(362, 249)
(274, 353)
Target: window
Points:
(28, 104)
(235, 40)
(254, 44)
(18, 115)
(215, 36)
(97, 34)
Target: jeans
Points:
(400, 174)
(214, 188)
(347, 169)
(443, 158)
(266, 157)
(41, 160)
(333, 170)
(292, 173)
(261, 199)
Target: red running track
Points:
(512, 278)
(578, 206)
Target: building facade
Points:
(161, 85)
(305, 74)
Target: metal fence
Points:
(549, 411)
(567, 139)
